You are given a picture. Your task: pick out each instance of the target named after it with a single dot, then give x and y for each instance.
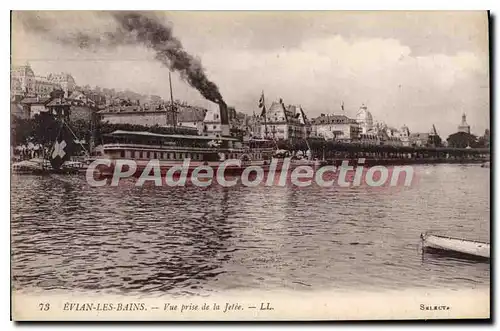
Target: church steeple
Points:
(464, 127)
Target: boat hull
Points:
(165, 166)
(443, 244)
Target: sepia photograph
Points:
(250, 165)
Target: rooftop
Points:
(59, 102)
(29, 101)
(172, 136)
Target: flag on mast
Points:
(63, 147)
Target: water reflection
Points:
(185, 240)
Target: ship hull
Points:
(175, 169)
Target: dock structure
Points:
(387, 154)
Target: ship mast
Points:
(172, 109)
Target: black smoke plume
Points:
(139, 28)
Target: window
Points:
(140, 155)
(148, 155)
(215, 127)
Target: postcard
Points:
(250, 165)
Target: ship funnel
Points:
(224, 119)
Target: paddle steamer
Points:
(174, 149)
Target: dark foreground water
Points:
(69, 236)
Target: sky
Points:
(408, 68)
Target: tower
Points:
(464, 127)
(364, 119)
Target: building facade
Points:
(418, 139)
(338, 127)
(371, 139)
(254, 125)
(64, 80)
(43, 87)
(35, 106)
(22, 80)
(212, 123)
(364, 119)
(191, 117)
(390, 136)
(25, 82)
(404, 135)
(284, 123)
(136, 115)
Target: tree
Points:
(462, 140)
(484, 140)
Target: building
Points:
(404, 135)
(419, 139)
(392, 141)
(303, 120)
(16, 87)
(191, 117)
(254, 126)
(25, 82)
(136, 115)
(59, 107)
(65, 81)
(81, 99)
(212, 122)
(81, 112)
(338, 127)
(486, 138)
(364, 119)
(370, 138)
(43, 87)
(285, 123)
(434, 139)
(18, 110)
(33, 106)
(464, 127)
(22, 80)
(390, 136)
(157, 115)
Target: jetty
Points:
(331, 152)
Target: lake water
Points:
(67, 235)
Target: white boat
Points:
(171, 150)
(456, 245)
